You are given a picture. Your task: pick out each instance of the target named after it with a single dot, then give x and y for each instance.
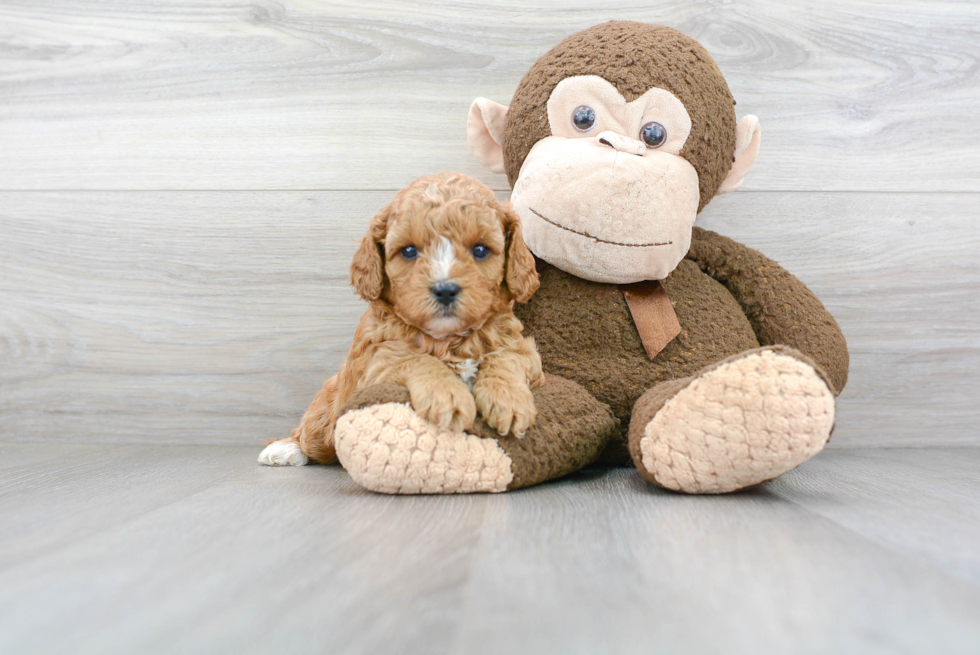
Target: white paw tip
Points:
(283, 453)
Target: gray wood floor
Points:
(181, 185)
(196, 549)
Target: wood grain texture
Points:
(181, 189)
(213, 317)
(186, 321)
(871, 96)
(890, 496)
(900, 273)
(841, 555)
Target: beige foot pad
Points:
(388, 448)
(747, 421)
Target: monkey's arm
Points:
(780, 307)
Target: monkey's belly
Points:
(585, 332)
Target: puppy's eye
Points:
(583, 117)
(653, 134)
(410, 252)
(480, 252)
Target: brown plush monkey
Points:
(699, 360)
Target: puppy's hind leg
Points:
(283, 452)
(312, 439)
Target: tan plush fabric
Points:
(745, 421)
(601, 215)
(485, 133)
(748, 140)
(388, 448)
(633, 57)
(616, 116)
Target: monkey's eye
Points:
(410, 252)
(480, 252)
(583, 118)
(653, 134)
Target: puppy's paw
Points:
(283, 453)
(506, 405)
(448, 404)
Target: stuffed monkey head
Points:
(613, 142)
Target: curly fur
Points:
(407, 338)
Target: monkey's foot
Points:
(388, 448)
(744, 421)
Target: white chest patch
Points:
(467, 370)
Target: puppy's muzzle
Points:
(445, 293)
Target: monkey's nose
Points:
(445, 293)
(621, 143)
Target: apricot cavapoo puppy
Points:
(441, 266)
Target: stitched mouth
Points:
(595, 238)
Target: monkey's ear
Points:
(485, 132)
(367, 271)
(748, 136)
(520, 273)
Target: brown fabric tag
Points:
(653, 315)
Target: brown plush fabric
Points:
(643, 412)
(584, 332)
(377, 394)
(653, 400)
(572, 429)
(780, 307)
(633, 57)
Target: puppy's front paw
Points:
(506, 405)
(448, 404)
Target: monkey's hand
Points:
(505, 403)
(445, 401)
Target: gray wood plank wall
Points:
(181, 186)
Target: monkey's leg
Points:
(740, 422)
(312, 438)
(387, 447)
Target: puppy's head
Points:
(446, 255)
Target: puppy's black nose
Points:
(445, 292)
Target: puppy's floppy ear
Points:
(520, 273)
(367, 271)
